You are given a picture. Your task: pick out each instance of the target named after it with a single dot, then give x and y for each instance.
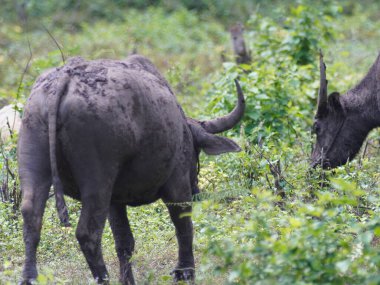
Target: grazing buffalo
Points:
(110, 134)
(343, 122)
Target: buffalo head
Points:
(342, 122)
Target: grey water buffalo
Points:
(343, 122)
(111, 134)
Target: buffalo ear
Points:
(212, 144)
(334, 101)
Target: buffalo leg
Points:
(124, 241)
(179, 206)
(35, 180)
(89, 234)
(94, 171)
(185, 269)
(95, 189)
(32, 211)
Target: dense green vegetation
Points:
(263, 217)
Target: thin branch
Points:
(361, 158)
(271, 165)
(269, 183)
(9, 128)
(21, 82)
(55, 41)
(25, 70)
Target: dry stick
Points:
(16, 198)
(8, 172)
(57, 44)
(7, 165)
(3, 192)
(271, 165)
(269, 183)
(364, 153)
(210, 183)
(365, 149)
(241, 53)
(6, 188)
(25, 70)
(21, 81)
(276, 172)
(9, 127)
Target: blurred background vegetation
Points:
(263, 217)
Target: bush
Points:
(282, 82)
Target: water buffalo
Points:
(110, 134)
(343, 122)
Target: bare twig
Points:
(269, 183)
(55, 41)
(4, 188)
(25, 70)
(9, 128)
(21, 82)
(365, 148)
(271, 165)
(241, 53)
(14, 197)
(275, 170)
(7, 165)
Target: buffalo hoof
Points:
(102, 281)
(128, 281)
(28, 282)
(183, 276)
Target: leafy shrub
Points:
(308, 28)
(323, 241)
(302, 226)
(281, 83)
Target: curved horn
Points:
(227, 122)
(322, 97)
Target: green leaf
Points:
(186, 214)
(342, 266)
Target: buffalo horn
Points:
(322, 97)
(227, 122)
